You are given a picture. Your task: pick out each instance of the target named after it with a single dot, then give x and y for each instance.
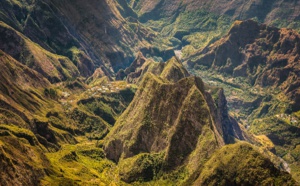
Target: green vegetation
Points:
(65, 121)
(20, 133)
(141, 168)
(241, 164)
(262, 105)
(190, 30)
(81, 164)
(51, 93)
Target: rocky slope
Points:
(263, 10)
(178, 125)
(192, 24)
(90, 34)
(259, 67)
(65, 121)
(266, 56)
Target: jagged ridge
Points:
(167, 118)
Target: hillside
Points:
(264, 11)
(54, 67)
(171, 129)
(245, 163)
(258, 66)
(39, 120)
(90, 34)
(192, 24)
(23, 139)
(126, 92)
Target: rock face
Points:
(51, 49)
(266, 56)
(171, 117)
(90, 34)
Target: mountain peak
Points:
(92, 93)
(167, 118)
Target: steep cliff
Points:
(170, 120)
(258, 66)
(265, 56)
(90, 34)
(65, 120)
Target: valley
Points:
(136, 92)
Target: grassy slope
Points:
(241, 164)
(82, 161)
(54, 67)
(37, 118)
(82, 164)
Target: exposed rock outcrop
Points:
(266, 56)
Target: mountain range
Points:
(126, 92)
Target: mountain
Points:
(258, 66)
(90, 34)
(54, 67)
(172, 70)
(104, 92)
(171, 125)
(20, 91)
(263, 10)
(193, 24)
(21, 151)
(266, 56)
